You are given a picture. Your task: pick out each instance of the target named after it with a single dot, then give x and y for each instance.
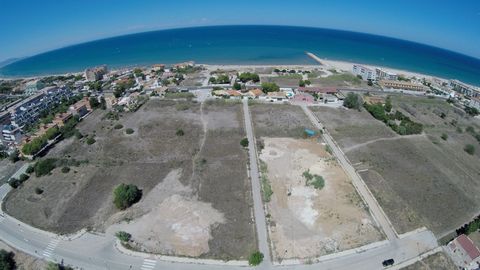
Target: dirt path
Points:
(348, 149)
(202, 143)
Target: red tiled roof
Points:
(318, 89)
(468, 246)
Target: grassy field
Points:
(339, 80)
(196, 195)
(419, 180)
(291, 80)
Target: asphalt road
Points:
(96, 251)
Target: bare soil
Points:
(203, 178)
(437, 261)
(306, 222)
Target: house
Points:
(220, 93)
(81, 108)
(255, 93)
(288, 91)
(234, 94)
(276, 96)
(318, 90)
(304, 97)
(328, 98)
(464, 252)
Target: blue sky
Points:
(28, 27)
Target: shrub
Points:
(129, 131)
(123, 236)
(6, 260)
(90, 140)
(65, 169)
(444, 136)
(45, 166)
(126, 195)
(470, 149)
(24, 177)
(314, 180)
(38, 191)
(352, 101)
(244, 142)
(255, 258)
(328, 148)
(179, 132)
(14, 156)
(14, 182)
(247, 76)
(118, 126)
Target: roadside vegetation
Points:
(397, 121)
(123, 236)
(267, 190)
(255, 258)
(7, 261)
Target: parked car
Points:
(388, 262)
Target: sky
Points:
(28, 27)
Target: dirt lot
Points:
(177, 174)
(278, 120)
(415, 178)
(437, 261)
(306, 222)
(7, 169)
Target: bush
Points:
(126, 195)
(247, 76)
(14, 156)
(30, 169)
(38, 191)
(123, 236)
(56, 266)
(65, 169)
(444, 136)
(118, 126)
(470, 149)
(352, 101)
(179, 132)
(244, 142)
(24, 177)
(14, 182)
(45, 166)
(255, 258)
(90, 140)
(314, 180)
(6, 260)
(129, 131)
(270, 87)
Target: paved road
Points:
(256, 188)
(357, 181)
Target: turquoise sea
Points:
(249, 45)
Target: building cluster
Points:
(96, 73)
(464, 252)
(373, 74)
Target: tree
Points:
(471, 111)
(45, 166)
(247, 76)
(90, 140)
(270, 87)
(123, 236)
(65, 169)
(129, 131)
(118, 126)
(352, 101)
(388, 105)
(94, 102)
(180, 132)
(6, 260)
(237, 86)
(126, 195)
(244, 142)
(301, 83)
(255, 258)
(470, 149)
(14, 156)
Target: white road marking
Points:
(50, 248)
(148, 264)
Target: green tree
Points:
(470, 149)
(237, 86)
(123, 236)
(14, 156)
(352, 101)
(94, 102)
(6, 260)
(90, 140)
(270, 87)
(129, 131)
(388, 105)
(247, 76)
(255, 258)
(45, 166)
(244, 142)
(126, 195)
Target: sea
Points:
(253, 44)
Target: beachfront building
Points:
(388, 84)
(464, 252)
(382, 74)
(96, 73)
(466, 89)
(29, 111)
(33, 87)
(365, 72)
(474, 103)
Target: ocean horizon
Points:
(249, 45)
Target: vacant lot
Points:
(188, 206)
(278, 120)
(351, 127)
(437, 261)
(419, 180)
(306, 222)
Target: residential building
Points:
(474, 103)
(276, 96)
(184, 64)
(11, 135)
(5, 118)
(96, 73)
(365, 72)
(33, 87)
(158, 67)
(255, 93)
(28, 111)
(304, 97)
(402, 85)
(466, 89)
(464, 252)
(382, 74)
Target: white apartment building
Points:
(365, 72)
